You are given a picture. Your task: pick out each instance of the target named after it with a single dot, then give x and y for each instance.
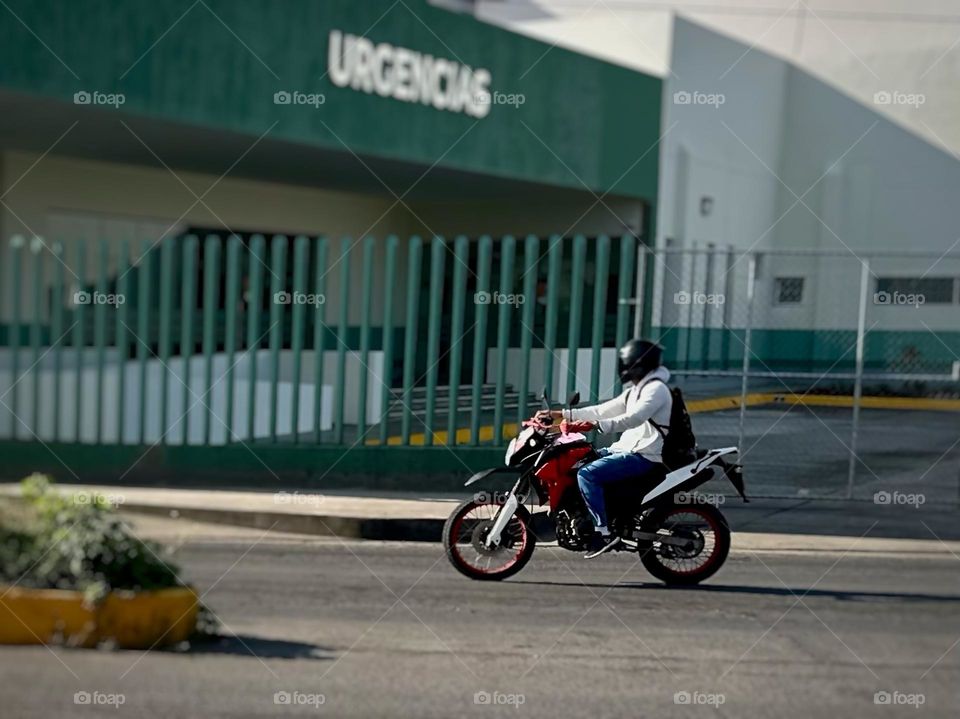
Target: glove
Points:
(569, 427)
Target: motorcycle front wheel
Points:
(707, 543)
(466, 529)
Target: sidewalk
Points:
(763, 525)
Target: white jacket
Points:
(630, 412)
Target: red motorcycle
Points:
(680, 538)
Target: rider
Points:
(645, 401)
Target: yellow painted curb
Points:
(716, 404)
(418, 439)
(829, 400)
(133, 620)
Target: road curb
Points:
(393, 529)
(401, 529)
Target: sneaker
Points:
(601, 544)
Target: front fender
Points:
(487, 472)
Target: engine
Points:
(573, 529)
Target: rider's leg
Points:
(612, 468)
(593, 480)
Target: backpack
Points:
(679, 442)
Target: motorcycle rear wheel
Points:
(463, 534)
(708, 532)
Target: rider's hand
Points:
(568, 426)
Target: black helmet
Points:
(637, 358)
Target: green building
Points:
(313, 224)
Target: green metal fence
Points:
(306, 356)
(302, 340)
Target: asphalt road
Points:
(366, 629)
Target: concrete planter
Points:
(133, 620)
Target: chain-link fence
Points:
(835, 372)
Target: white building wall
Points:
(793, 164)
(41, 422)
(66, 200)
(701, 157)
(861, 47)
(62, 184)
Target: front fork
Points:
(505, 514)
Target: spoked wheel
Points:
(706, 543)
(465, 533)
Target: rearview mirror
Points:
(544, 398)
(573, 400)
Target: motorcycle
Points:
(680, 538)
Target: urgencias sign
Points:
(407, 75)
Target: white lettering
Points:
(383, 76)
(423, 75)
(442, 83)
(407, 75)
(402, 74)
(363, 67)
(479, 84)
(337, 60)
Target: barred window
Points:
(789, 290)
(934, 290)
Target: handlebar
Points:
(563, 427)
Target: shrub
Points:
(77, 542)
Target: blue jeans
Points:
(610, 468)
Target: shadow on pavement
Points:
(798, 592)
(259, 648)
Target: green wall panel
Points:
(218, 64)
